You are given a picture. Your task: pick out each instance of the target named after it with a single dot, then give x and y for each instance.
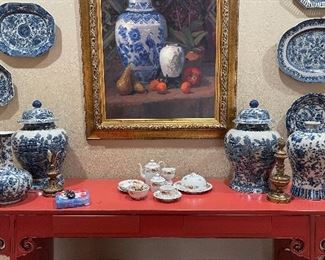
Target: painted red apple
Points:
(192, 75)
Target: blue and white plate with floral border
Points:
(310, 107)
(312, 3)
(6, 89)
(301, 51)
(26, 30)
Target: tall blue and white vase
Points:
(140, 34)
(250, 148)
(306, 152)
(14, 182)
(32, 143)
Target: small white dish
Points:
(167, 197)
(178, 185)
(123, 186)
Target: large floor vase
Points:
(14, 182)
(140, 34)
(306, 151)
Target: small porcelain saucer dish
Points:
(123, 186)
(307, 108)
(167, 197)
(178, 185)
(6, 88)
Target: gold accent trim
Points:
(99, 127)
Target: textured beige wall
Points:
(56, 79)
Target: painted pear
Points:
(139, 88)
(124, 84)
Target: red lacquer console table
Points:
(221, 213)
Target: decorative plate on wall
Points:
(25, 30)
(312, 3)
(310, 107)
(301, 51)
(6, 88)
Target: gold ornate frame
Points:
(99, 127)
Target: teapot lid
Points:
(253, 115)
(152, 164)
(37, 115)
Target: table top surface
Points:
(106, 199)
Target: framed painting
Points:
(159, 68)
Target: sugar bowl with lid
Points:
(250, 148)
(32, 143)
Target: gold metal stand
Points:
(279, 180)
(53, 186)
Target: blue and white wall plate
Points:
(312, 3)
(310, 107)
(6, 88)
(301, 51)
(26, 30)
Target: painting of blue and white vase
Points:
(32, 143)
(140, 34)
(250, 148)
(306, 151)
(14, 182)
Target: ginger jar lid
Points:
(253, 115)
(37, 115)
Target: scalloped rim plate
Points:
(306, 75)
(37, 11)
(167, 198)
(178, 185)
(301, 104)
(7, 90)
(312, 3)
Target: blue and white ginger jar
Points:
(306, 151)
(32, 143)
(14, 182)
(250, 148)
(140, 34)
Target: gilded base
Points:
(51, 192)
(278, 197)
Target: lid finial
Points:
(37, 104)
(254, 103)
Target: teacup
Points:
(168, 173)
(167, 190)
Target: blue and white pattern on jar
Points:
(140, 34)
(250, 148)
(32, 143)
(26, 30)
(6, 88)
(14, 182)
(306, 151)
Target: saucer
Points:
(167, 197)
(178, 185)
(123, 186)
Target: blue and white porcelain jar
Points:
(306, 152)
(14, 182)
(250, 148)
(140, 34)
(32, 143)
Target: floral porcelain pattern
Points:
(32, 143)
(140, 34)
(6, 88)
(301, 51)
(26, 30)
(313, 3)
(310, 107)
(306, 151)
(170, 197)
(178, 185)
(14, 182)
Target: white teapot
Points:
(150, 169)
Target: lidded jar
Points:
(306, 152)
(250, 148)
(32, 143)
